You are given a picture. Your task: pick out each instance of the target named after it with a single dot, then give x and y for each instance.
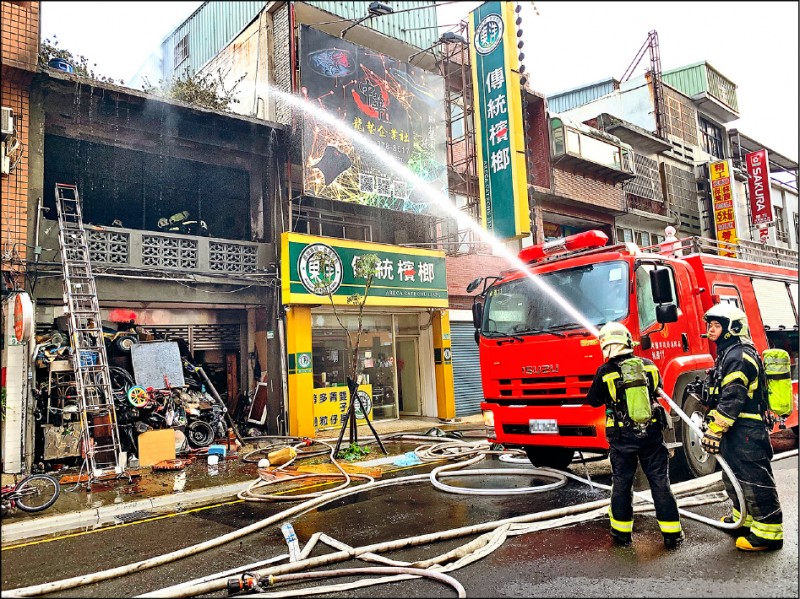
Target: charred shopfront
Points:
(177, 204)
(404, 365)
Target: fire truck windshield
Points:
(520, 307)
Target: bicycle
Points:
(34, 493)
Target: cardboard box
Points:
(155, 446)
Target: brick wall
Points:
(589, 191)
(540, 144)
(20, 34)
(463, 269)
(20, 47)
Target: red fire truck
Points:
(538, 358)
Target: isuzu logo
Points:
(540, 369)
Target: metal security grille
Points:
(647, 183)
(466, 369)
(200, 337)
(169, 252)
(215, 336)
(109, 247)
(681, 193)
(233, 257)
(167, 333)
(681, 117)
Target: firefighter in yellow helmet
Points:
(627, 385)
(736, 427)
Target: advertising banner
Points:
(395, 107)
(758, 188)
(500, 139)
(330, 405)
(406, 276)
(724, 206)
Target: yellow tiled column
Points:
(443, 365)
(301, 374)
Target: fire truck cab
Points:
(536, 329)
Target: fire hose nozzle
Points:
(245, 582)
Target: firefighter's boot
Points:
(673, 540)
(621, 538)
(762, 537)
(752, 542)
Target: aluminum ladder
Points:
(99, 431)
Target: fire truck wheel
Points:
(550, 457)
(691, 460)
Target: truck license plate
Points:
(543, 426)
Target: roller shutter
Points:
(466, 369)
(201, 336)
(775, 304)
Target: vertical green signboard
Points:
(498, 121)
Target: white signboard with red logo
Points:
(758, 188)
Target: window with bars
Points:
(647, 183)
(681, 117)
(624, 235)
(680, 191)
(780, 225)
(711, 138)
(182, 50)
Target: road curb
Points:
(112, 514)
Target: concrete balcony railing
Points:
(156, 251)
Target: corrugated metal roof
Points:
(567, 100)
(216, 23)
(404, 24)
(701, 77)
(208, 30)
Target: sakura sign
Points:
(758, 188)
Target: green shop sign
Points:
(502, 172)
(406, 276)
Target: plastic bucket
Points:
(61, 65)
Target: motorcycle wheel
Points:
(199, 433)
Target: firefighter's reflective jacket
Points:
(734, 385)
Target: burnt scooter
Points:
(205, 419)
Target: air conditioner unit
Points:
(7, 121)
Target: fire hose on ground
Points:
(491, 532)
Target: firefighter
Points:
(736, 427)
(627, 386)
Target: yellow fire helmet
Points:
(615, 340)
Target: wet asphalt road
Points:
(574, 561)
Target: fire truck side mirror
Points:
(666, 313)
(474, 284)
(661, 286)
(477, 314)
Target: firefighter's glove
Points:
(718, 423)
(710, 441)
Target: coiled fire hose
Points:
(734, 481)
(530, 522)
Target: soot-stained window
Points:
(133, 189)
